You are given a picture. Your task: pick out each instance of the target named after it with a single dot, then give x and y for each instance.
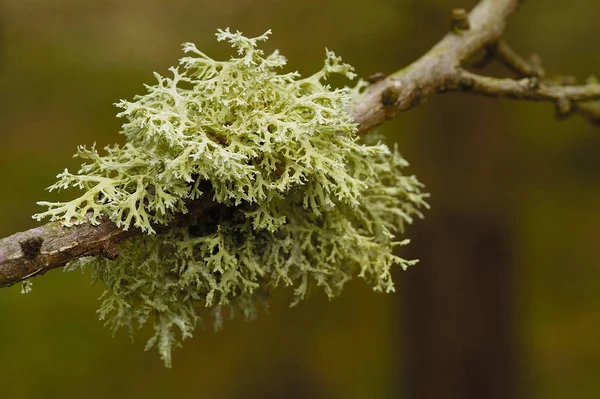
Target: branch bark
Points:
(36, 251)
(437, 70)
(514, 62)
(441, 69)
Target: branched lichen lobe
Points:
(301, 200)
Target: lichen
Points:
(26, 286)
(301, 200)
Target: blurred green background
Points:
(505, 302)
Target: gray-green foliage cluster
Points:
(301, 200)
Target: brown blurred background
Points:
(505, 302)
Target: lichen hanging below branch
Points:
(302, 202)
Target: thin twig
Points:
(513, 61)
(590, 110)
(523, 89)
(565, 98)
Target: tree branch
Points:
(440, 70)
(590, 110)
(436, 71)
(36, 251)
(526, 89)
(513, 61)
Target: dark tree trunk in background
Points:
(459, 324)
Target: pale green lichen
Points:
(26, 286)
(301, 200)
